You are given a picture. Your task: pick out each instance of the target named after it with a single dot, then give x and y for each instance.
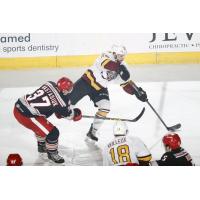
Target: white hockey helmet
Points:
(120, 128)
(119, 51)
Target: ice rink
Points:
(174, 91)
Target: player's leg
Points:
(102, 101)
(40, 130)
(51, 141)
(80, 89)
(46, 133)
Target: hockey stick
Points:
(169, 128)
(111, 118)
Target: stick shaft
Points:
(136, 88)
(107, 118)
(157, 114)
(112, 118)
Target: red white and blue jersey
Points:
(45, 101)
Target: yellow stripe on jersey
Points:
(93, 84)
(145, 158)
(105, 62)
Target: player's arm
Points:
(74, 114)
(144, 160)
(166, 160)
(129, 88)
(110, 65)
(143, 154)
(128, 85)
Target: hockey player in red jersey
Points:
(124, 149)
(32, 111)
(175, 155)
(109, 68)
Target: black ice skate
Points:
(90, 136)
(42, 147)
(55, 157)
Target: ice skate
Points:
(55, 157)
(42, 147)
(91, 138)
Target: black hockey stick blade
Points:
(174, 128)
(139, 116)
(111, 118)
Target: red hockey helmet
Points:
(14, 160)
(65, 85)
(172, 140)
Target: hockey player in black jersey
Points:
(175, 155)
(32, 111)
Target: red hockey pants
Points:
(39, 129)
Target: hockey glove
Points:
(141, 94)
(58, 116)
(123, 73)
(77, 114)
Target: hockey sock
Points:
(97, 123)
(40, 139)
(52, 140)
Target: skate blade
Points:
(43, 156)
(52, 163)
(91, 144)
(90, 141)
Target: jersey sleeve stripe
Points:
(110, 65)
(105, 62)
(124, 84)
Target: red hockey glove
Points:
(77, 114)
(58, 116)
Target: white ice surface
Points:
(175, 101)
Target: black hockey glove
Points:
(124, 73)
(141, 94)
